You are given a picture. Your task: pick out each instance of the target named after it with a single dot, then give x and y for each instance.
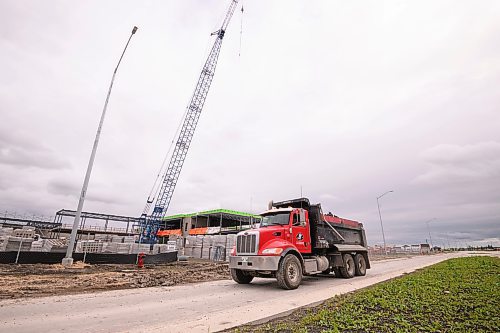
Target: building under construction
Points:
(209, 222)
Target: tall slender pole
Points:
(68, 260)
(429, 231)
(380, 215)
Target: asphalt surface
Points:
(200, 307)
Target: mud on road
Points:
(21, 281)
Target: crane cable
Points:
(161, 172)
(241, 28)
(156, 185)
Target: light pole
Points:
(68, 260)
(429, 231)
(380, 215)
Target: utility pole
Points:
(380, 215)
(429, 231)
(68, 260)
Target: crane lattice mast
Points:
(150, 224)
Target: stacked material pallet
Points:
(162, 248)
(188, 251)
(89, 246)
(15, 243)
(123, 248)
(213, 247)
(12, 243)
(103, 238)
(119, 248)
(3, 242)
(179, 240)
(49, 245)
(25, 232)
(197, 246)
(56, 245)
(109, 247)
(218, 253)
(129, 239)
(171, 246)
(16, 239)
(117, 239)
(37, 246)
(219, 248)
(6, 231)
(231, 241)
(156, 248)
(139, 248)
(190, 242)
(206, 246)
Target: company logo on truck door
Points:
(300, 236)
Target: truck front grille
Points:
(246, 243)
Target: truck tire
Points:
(349, 269)
(289, 274)
(360, 264)
(241, 276)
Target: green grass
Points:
(457, 295)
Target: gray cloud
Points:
(346, 100)
(63, 187)
(26, 152)
(461, 164)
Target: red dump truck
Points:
(295, 239)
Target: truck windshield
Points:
(275, 219)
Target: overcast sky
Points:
(346, 99)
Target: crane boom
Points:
(150, 225)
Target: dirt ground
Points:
(20, 281)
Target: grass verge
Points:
(457, 295)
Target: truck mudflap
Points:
(343, 248)
(255, 263)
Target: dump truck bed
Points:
(328, 231)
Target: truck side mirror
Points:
(302, 217)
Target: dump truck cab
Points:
(295, 239)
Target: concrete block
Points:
(196, 252)
(188, 251)
(117, 239)
(129, 239)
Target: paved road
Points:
(201, 307)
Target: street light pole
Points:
(380, 215)
(429, 231)
(68, 260)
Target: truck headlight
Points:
(273, 250)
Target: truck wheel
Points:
(348, 270)
(360, 264)
(241, 276)
(289, 274)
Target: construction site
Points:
(202, 235)
(303, 198)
